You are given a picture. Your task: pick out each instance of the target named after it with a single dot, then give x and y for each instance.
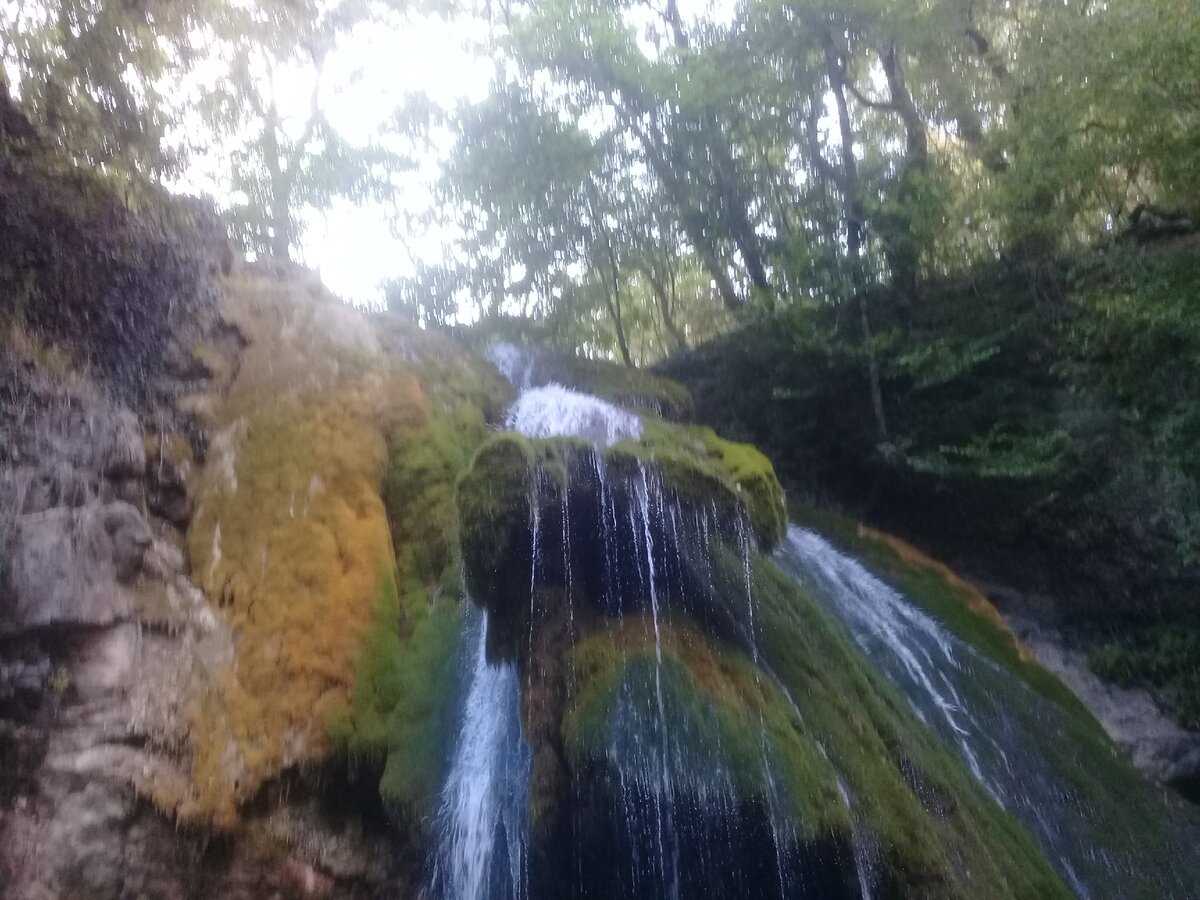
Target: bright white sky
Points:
(354, 246)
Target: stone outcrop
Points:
(110, 646)
(1156, 745)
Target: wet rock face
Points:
(106, 644)
(71, 567)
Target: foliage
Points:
(1130, 310)
(93, 74)
(1163, 658)
(628, 144)
(288, 162)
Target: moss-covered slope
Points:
(654, 636)
(324, 534)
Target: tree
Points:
(94, 75)
(284, 160)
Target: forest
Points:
(939, 260)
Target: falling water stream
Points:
(689, 832)
(482, 821)
(1015, 742)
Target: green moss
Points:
(718, 707)
(941, 835)
(493, 498)
(703, 467)
(399, 712)
(827, 718)
(625, 386)
(418, 491)
(451, 374)
(951, 603)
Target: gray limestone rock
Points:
(1156, 745)
(71, 566)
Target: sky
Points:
(353, 245)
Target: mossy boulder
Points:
(705, 468)
(495, 509)
(584, 509)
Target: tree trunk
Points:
(614, 310)
(664, 307)
(613, 300)
(741, 229)
(279, 214)
(901, 245)
(855, 223)
(690, 220)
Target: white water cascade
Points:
(1014, 741)
(482, 821)
(555, 411)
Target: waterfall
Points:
(482, 821)
(481, 848)
(679, 811)
(1014, 741)
(626, 729)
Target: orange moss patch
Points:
(290, 537)
(975, 601)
